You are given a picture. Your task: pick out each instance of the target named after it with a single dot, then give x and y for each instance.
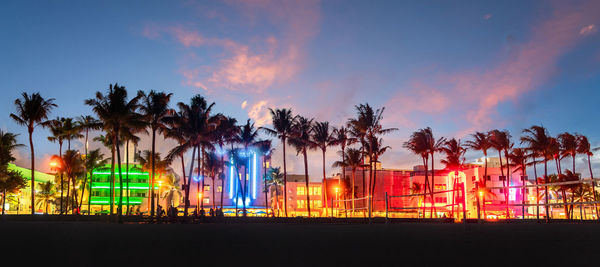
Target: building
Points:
(20, 202)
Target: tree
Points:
(32, 111)
(341, 137)
(518, 160)
(57, 131)
(11, 181)
(538, 141)
(73, 167)
(71, 131)
(92, 161)
(212, 165)
(87, 123)
(375, 145)
(568, 146)
(454, 161)
(247, 137)
(301, 140)
(282, 120)
(116, 113)
(432, 147)
(584, 148)
(418, 143)
(265, 148)
(353, 159)
(275, 180)
(481, 143)
(155, 109)
(500, 141)
(45, 195)
(322, 138)
(146, 159)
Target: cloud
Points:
(244, 104)
(487, 16)
(480, 91)
(259, 113)
(587, 30)
(258, 64)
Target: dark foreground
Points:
(298, 244)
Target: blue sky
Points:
(456, 66)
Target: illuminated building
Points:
(133, 178)
(21, 203)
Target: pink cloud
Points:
(479, 92)
(587, 30)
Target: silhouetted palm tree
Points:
(32, 111)
(481, 143)
(433, 146)
(341, 136)
(518, 160)
(265, 148)
(155, 109)
(584, 147)
(73, 169)
(500, 140)
(117, 112)
(418, 143)
(568, 146)
(322, 138)
(538, 141)
(282, 128)
(212, 165)
(92, 161)
(301, 140)
(353, 160)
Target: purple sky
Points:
(456, 66)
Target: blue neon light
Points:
(231, 180)
(254, 176)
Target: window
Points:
(501, 190)
(501, 178)
(473, 178)
(489, 178)
(440, 187)
(440, 199)
(525, 178)
(206, 200)
(301, 204)
(315, 203)
(314, 190)
(267, 164)
(207, 188)
(219, 188)
(301, 191)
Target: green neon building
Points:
(135, 185)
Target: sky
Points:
(454, 66)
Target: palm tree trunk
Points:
(127, 174)
(523, 190)
(432, 186)
(353, 181)
(593, 186)
(537, 190)
(373, 185)
(306, 180)
(3, 200)
(508, 179)
(198, 200)
(284, 180)
(213, 193)
(32, 171)
(427, 185)
(265, 185)
(183, 171)
(485, 175)
(504, 180)
(120, 212)
(112, 180)
(90, 192)
(189, 184)
(68, 201)
(201, 170)
(546, 188)
(153, 163)
(222, 180)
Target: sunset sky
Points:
(455, 66)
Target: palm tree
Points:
(32, 111)
(212, 165)
(146, 159)
(128, 135)
(353, 159)
(45, 195)
(107, 141)
(155, 109)
(92, 161)
(173, 190)
(568, 146)
(87, 123)
(418, 143)
(71, 131)
(375, 145)
(454, 161)
(226, 133)
(584, 147)
(117, 113)
(275, 180)
(341, 136)
(265, 148)
(433, 146)
(537, 140)
(57, 131)
(518, 160)
(322, 138)
(481, 143)
(73, 168)
(282, 128)
(301, 140)
(500, 141)
(247, 137)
